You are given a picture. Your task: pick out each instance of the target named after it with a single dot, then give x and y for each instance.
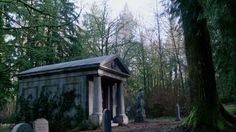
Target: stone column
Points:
(121, 117)
(96, 117)
(114, 98)
(90, 97)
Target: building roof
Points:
(85, 63)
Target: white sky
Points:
(143, 10)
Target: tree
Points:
(99, 30)
(5, 86)
(106, 35)
(35, 33)
(223, 41)
(42, 32)
(206, 107)
(160, 50)
(5, 53)
(123, 40)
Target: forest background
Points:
(36, 33)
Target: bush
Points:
(228, 100)
(162, 102)
(156, 110)
(86, 125)
(7, 115)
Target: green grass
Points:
(231, 109)
(5, 127)
(163, 118)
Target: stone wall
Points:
(63, 93)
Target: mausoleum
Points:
(97, 84)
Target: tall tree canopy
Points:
(35, 33)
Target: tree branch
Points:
(33, 8)
(36, 26)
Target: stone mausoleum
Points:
(97, 84)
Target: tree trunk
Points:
(144, 66)
(205, 101)
(177, 81)
(162, 81)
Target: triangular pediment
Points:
(117, 65)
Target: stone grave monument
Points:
(41, 125)
(22, 127)
(106, 121)
(140, 111)
(178, 118)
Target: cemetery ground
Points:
(161, 124)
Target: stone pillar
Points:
(96, 117)
(178, 118)
(121, 117)
(114, 98)
(90, 97)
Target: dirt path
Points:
(158, 126)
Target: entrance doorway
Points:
(107, 94)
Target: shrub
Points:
(162, 102)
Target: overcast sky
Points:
(142, 9)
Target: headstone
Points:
(106, 121)
(22, 127)
(41, 125)
(178, 118)
(140, 111)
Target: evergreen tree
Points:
(35, 33)
(206, 108)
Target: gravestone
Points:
(22, 127)
(41, 125)
(140, 111)
(178, 118)
(106, 121)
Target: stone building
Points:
(97, 84)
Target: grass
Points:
(163, 118)
(5, 127)
(231, 109)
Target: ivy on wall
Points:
(55, 109)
